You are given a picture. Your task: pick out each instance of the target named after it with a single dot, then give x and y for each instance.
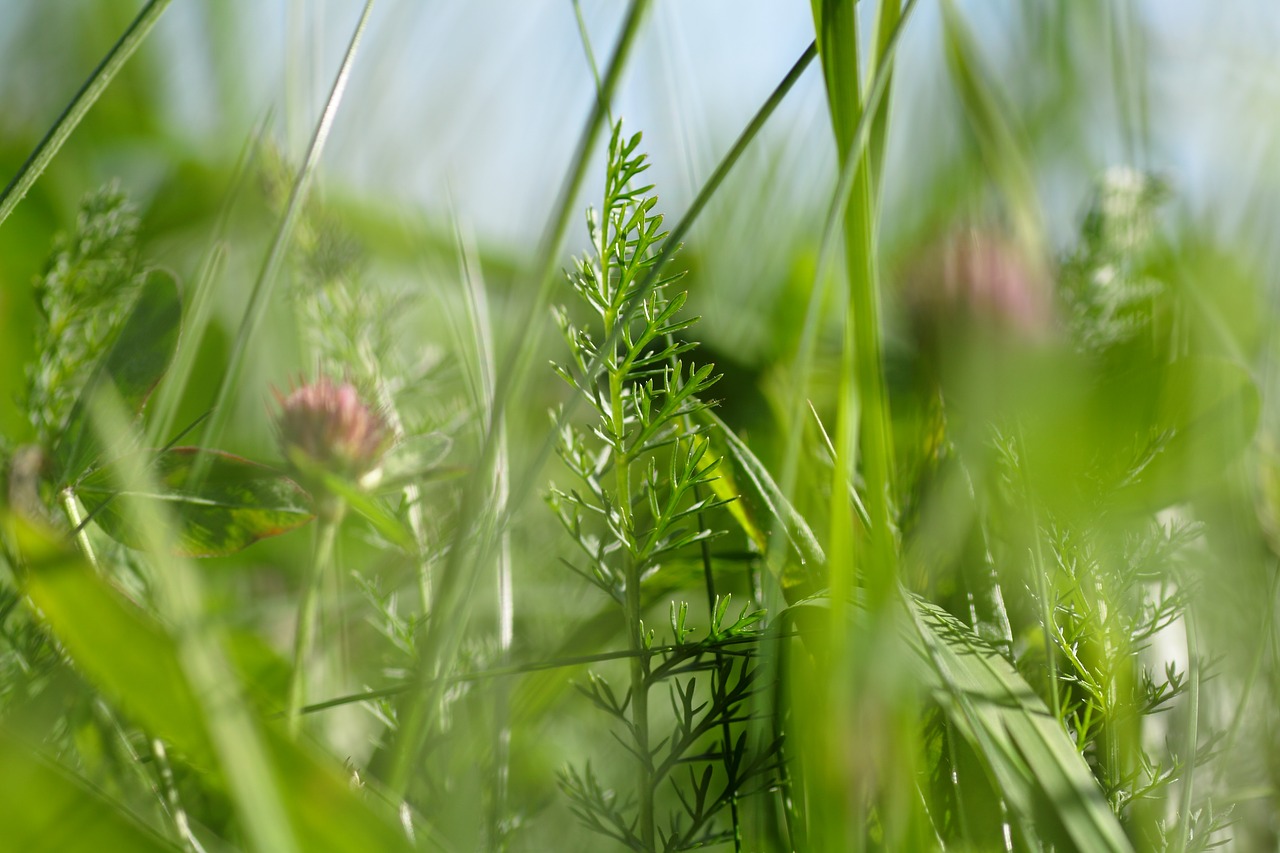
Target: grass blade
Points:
(79, 106)
(42, 807)
(259, 298)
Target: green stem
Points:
(1039, 573)
(72, 508)
(454, 582)
(1193, 728)
(304, 636)
(639, 663)
(172, 799)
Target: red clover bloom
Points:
(324, 427)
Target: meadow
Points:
(921, 493)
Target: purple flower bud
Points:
(979, 285)
(324, 426)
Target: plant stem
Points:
(639, 663)
(72, 508)
(322, 555)
(1193, 728)
(173, 800)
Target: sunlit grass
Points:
(982, 558)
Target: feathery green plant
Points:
(641, 474)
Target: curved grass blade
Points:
(1027, 750)
(80, 104)
(44, 807)
(238, 503)
(136, 661)
(1034, 762)
(1029, 756)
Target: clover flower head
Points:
(324, 426)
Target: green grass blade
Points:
(452, 592)
(79, 106)
(259, 298)
(999, 143)
(1029, 757)
(1032, 759)
(199, 302)
(137, 661)
(43, 807)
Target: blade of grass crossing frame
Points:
(200, 303)
(413, 731)
(88, 95)
(988, 118)
(195, 668)
(259, 298)
(861, 429)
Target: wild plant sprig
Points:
(643, 489)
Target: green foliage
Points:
(630, 371)
(84, 294)
(1019, 596)
(237, 503)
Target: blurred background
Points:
(469, 112)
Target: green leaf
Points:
(1029, 755)
(43, 807)
(808, 574)
(239, 503)
(134, 365)
(135, 661)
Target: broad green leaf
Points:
(43, 807)
(1030, 757)
(134, 366)
(239, 502)
(134, 660)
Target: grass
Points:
(983, 559)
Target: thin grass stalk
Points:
(196, 318)
(443, 636)
(802, 366)
(260, 296)
(481, 333)
(84, 99)
(1186, 798)
(71, 506)
(328, 521)
(888, 18)
(170, 800)
(862, 429)
(796, 799)
(173, 799)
